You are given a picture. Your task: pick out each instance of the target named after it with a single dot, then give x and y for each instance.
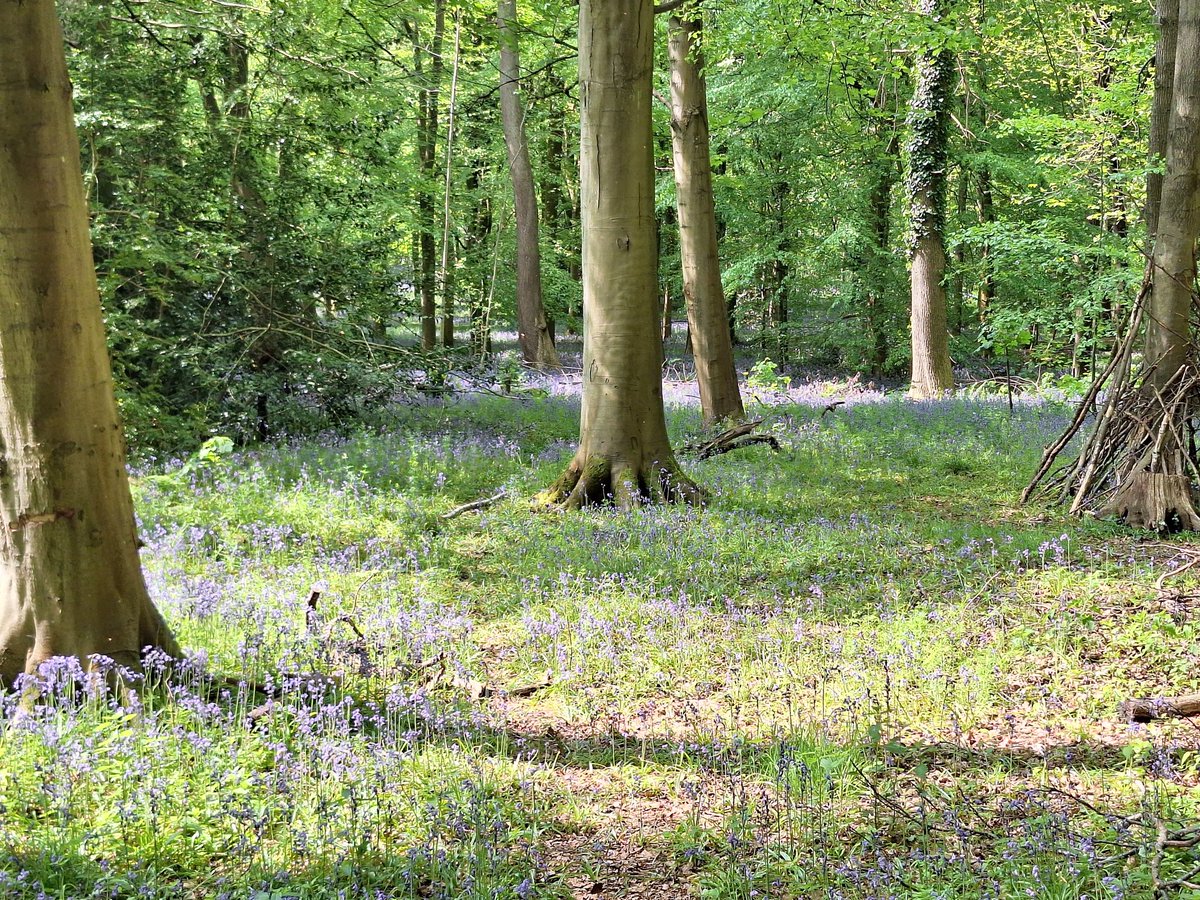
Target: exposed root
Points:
(1156, 501)
(600, 481)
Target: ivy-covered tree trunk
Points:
(533, 332)
(624, 454)
(708, 321)
(70, 580)
(929, 119)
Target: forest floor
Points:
(863, 670)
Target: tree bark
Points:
(1167, 14)
(873, 260)
(1157, 493)
(929, 119)
(477, 235)
(70, 580)
(533, 332)
(447, 267)
(708, 321)
(624, 454)
(1168, 336)
(427, 128)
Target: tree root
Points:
(625, 485)
(1156, 501)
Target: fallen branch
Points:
(476, 689)
(474, 505)
(734, 438)
(830, 407)
(1147, 709)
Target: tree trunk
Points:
(708, 321)
(1167, 13)
(70, 580)
(873, 263)
(624, 454)
(932, 375)
(958, 276)
(479, 231)
(537, 346)
(986, 289)
(1168, 338)
(447, 268)
(427, 129)
(987, 215)
(1157, 493)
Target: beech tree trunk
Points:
(1158, 491)
(1168, 336)
(1167, 14)
(533, 331)
(70, 580)
(708, 320)
(624, 454)
(929, 119)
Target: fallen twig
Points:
(474, 505)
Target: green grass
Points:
(861, 671)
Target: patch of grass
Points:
(861, 671)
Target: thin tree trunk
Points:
(932, 375)
(872, 264)
(987, 215)
(258, 255)
(447, 273)
(708, 322)
(958, 278)
(624, 453)
(480, 229)
(70, 580)
(533, 332)
(666, 315)
(427, 129)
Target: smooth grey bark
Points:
(1167, 14)
(708, 319)
(1168, 334)
(1158, 492)
(70, 580)
(624, 453)
(533, 331)
(929, 120)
